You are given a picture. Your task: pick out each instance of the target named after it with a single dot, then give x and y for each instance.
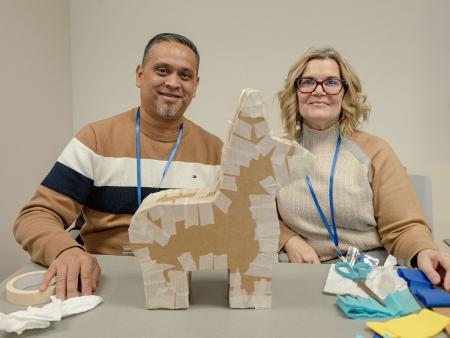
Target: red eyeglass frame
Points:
(342, 81)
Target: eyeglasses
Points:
(330, 86)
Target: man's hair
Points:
(171, 37)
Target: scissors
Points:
(358, 273)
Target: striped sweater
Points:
(96, 175)
(374, 201)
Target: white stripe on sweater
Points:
(121, 171)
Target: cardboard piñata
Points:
(232, 225)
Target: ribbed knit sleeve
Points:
(40, 225)
(400, 221)
(285, 234)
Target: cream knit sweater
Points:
(374, 202)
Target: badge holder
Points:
(354, 255)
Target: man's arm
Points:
(41, 225)
(40, 228)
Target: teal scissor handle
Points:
(358, 271)
(345, 270)
(362, 269)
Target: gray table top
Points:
(299, 308)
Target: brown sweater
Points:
(96, 175)
(374, 202)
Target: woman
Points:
(358, 193)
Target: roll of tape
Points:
(24, 289)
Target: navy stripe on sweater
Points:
(68, 182)
(115, 200)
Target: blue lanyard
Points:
(333, 233)
(138, 155)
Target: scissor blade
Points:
(367, 290)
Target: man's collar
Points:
(159, 129)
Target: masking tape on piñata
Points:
(243, 129)
(262, 129)
(231, 168)
(265, 145)
(222, 202)
(228, 183)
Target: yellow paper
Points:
(379, 327)
(425, 324)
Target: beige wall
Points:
(399, 48)
(35, 100)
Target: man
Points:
(111, 165)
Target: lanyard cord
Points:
(332, 233)
(172, 154)
(138, 156)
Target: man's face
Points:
(168, 81)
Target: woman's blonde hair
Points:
(354, 106)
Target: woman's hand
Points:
(436, 266)
(300, 252)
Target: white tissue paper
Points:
(40, 317)
(382, 280)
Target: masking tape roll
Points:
(24, 289)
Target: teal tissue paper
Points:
(398, 304)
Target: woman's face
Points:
(319, 109)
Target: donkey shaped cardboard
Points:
(232, 225)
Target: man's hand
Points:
(70, 266)
(436, 266)
(300, 252)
